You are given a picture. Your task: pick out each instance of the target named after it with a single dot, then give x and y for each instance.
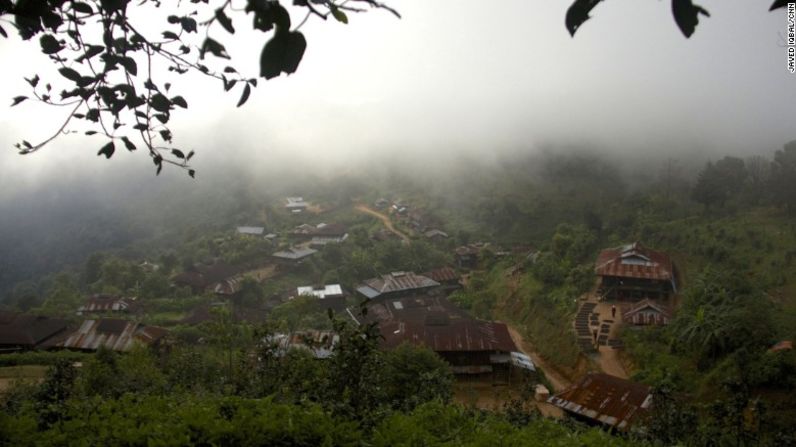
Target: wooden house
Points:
(395, 284)
(602, 399)
(634, 272)
(647, 312)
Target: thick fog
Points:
(455, 79)
(452, 84)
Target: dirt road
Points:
(384, 219)
(608, 358)
(558, 381)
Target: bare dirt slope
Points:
(384, 219)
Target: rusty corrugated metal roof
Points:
(444, 274)
(115, 334)
(28, 331)
(635, 261)
(462, 335)
(395, 282)
(104, 303)
(606, 399)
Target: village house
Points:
(469, 345)
(102, 303)
(602, 399)
(467, 256)
(446, 276)
(251, 231)
(295, 204)
(436, 235)
(321, 234)
(330, 296)
(395, 284)
(219, 278)
(22, 332)
(114, 334)
(293, 256)
(647, 312)
(634, 272)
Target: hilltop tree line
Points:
(752, 181)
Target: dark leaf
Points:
(225, 21)
(188, 24)
(49, 44)
(173, 19)
(338, 14)
(3, 32)
(70, 74)
(192, 173)
(282, 53)
(93, 115)
(245, 96)
(34, 81)
(129, 65)
(578, 13)
(85, 8)
(230, 70)
(91, 132)
(190, 155)
(114, 5)
(18, 100)
(179, 101)
(215, 48)
(686, 14)
(107, 150)
(91, 51)
(267, 14)
(85, 81)
(166, 135)
(167, 86)
(177, 153)
(140, 126)
(779, 4)
(170, 35)
(160, 103)
(229, 84)
(135, 101)
(162, 117)
(128, 144)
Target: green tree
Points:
(783, 177)
(719, 182)
(50, 400)
(415, 375)
(63, 296)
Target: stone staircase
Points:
(583, 319)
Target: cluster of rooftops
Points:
(407, 307)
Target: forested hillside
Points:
(540, 222)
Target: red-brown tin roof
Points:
(635, 261)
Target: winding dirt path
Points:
(384, 219)
(558, 381)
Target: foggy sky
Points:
(456, 78)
